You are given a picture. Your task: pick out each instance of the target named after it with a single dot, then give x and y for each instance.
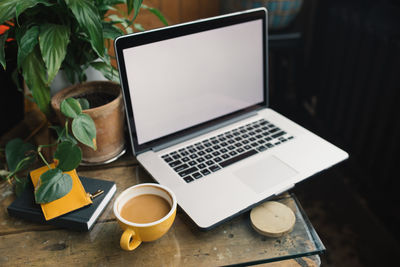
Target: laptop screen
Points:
(177, 83)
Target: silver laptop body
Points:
(193, 93)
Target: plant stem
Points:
(41, 155)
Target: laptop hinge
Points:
(204, 131)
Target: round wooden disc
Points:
(272, 219)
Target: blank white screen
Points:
(181, 82)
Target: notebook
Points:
(75, 199)
(81, 219)
(196, 99)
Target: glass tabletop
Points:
(232, 243)
(236, 242)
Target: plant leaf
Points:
(22, 5)
(3, 39)
(84, 103)
(7, 10)
(138, 27)
(70, 107)
(107, 70)
(88, 18)
(27, 42)
(52, 185)
(69, 156)
(62, 135)
(136, 6)
(110, 31)
(16, 150)
(53, 41)
(34, 74)
(84, 130)
(157, 13)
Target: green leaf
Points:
(70, 107)
(136, 6)
(52, 185)
(22, 5)
(138, 27)
(26, 42)
(62, 135)
(3, 39)
(34, 73)
(7, 10)
(16, 152)
(157, 13)
(84, 130)
(84, 103)
(107, 70)
(110, 31)
(53, 41)
(89, 19)
(69, 156)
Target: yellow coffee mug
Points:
(135, 233)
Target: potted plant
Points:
(70, 35)
(65, 34)
(55, 182)
(104, 104)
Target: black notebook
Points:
(81, 220)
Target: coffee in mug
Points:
(145, 212)
(145, 209)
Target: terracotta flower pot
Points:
(109, 119)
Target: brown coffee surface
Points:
(145, 209)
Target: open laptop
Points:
(196, 98)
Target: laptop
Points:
(196, 99)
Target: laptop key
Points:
(188, 171)
(238, 157)
(278, 134)
(168, 159)
(197, 175)
(261, 148)
(188, 179)
(175, 163)
(205, 172)
(215, 168)
(201, 166)
(181, 167)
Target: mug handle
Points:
(126, 243)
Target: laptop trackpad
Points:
(265, 174)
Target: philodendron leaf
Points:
(16, 150)
(89, 19)
(84, 130)
(84, 103)
(53, 41)
(70, 107)
(62, 135)
(52, 185)
(69, 156)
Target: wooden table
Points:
(26, 243)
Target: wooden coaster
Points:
(272, 219)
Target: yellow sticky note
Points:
(75, 199)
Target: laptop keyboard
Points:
(212, 154)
